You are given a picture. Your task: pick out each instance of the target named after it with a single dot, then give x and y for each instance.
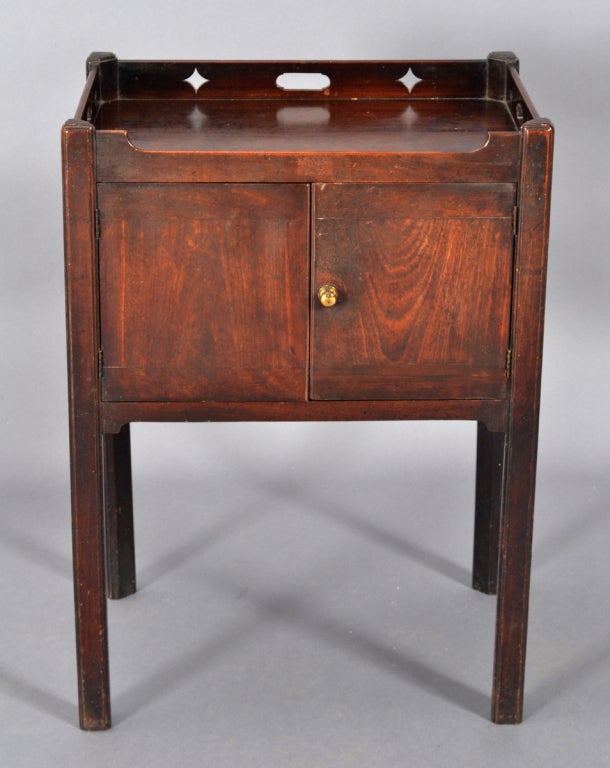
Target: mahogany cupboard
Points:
(304, 241)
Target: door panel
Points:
(204, 291)
(423, 274)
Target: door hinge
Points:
(96, 223)
(100, 363)
(509, 361)
(515, 220)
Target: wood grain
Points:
(522, 438)
(492, 413)
(424, 276)
(220, 213)
(82, 318)
(245, 80)
(204, 291)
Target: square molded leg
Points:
(89, 584)
(514, 575)
(85, 434)
(118, 513)
(522, 430)
(488, 505)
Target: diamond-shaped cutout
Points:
(409, 80)
(196, 80)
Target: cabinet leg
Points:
(78, 152)
(514, 577)
(89, 583)
(522, 429)
(488, 503)
(118, 513)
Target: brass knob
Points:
(328, 295)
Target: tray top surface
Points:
(327, 125)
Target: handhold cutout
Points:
(302, 81)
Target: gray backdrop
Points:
(304, 591)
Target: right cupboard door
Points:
(422, 277)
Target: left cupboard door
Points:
(204, 291)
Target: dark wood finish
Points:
(160, 80)
(522, 434)
(504, 84)
(424, 275)
(105, 67)
(495, 160)
(78, 149)
(199, 226)
(118, 515)
(490, 412)
(499, 65)
(488, 508)
(296, 126)
(204, 291)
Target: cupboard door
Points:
(423, 276)
(204, 291)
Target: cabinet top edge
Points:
(112, 79)
(421, 106)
